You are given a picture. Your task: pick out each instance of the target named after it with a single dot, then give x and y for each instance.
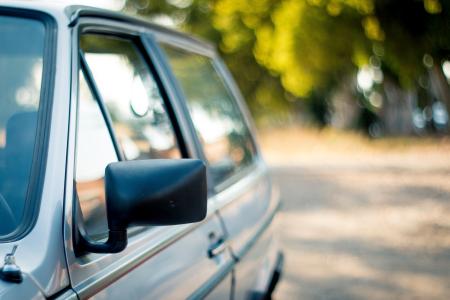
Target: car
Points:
(129, 167)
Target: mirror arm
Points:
(117, 239)
(116, 242)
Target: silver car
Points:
(129, 167)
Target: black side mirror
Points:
(148, 192)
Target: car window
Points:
(137, 112)
(226, 139)
(21, 67)
(94, 151)
(132, 97)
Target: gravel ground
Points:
(366, 228)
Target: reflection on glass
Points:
(21, 61)
(132, 97)
(95, 151)
(226, 139)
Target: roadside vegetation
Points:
(380, 66)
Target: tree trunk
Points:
(397, 110)
(439, 86)
(345, 110)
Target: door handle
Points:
(217, 248)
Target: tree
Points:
(299, 49)
(261, 89)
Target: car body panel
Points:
(156, 259)
(247, 210)
(256, 266)
(246, 202)
(40, 253)
(174, 255)
(153, 263)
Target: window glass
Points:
(94, 151)
(21, 61)
(132, 97)
(219, 123)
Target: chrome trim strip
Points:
(66, 295)
(228, 195)
(214, 281)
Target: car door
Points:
(242, 189)
(121, 110)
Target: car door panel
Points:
(222, 290)
(159, 263)
(247, 210)
(169, 262)
(166, 270)
(243, 192)
(257, 262)
(244, 206)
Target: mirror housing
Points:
(144, 193)
(155, 192)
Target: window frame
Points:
(40, 152)
(91, 272)
(138, 39)
(236, 97)
(85, 71)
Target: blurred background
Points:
(351, 99)
(380, 67)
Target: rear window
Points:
(221, 128)
(21, 68)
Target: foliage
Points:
(262, 89)
(279, 49)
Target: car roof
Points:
(74, 12)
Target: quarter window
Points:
(95, 150)
(226, 139)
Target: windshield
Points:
(21, 63)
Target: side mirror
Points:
(147, 192)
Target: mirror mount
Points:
(116, 241)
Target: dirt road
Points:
(365, 233)
(365, 230)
